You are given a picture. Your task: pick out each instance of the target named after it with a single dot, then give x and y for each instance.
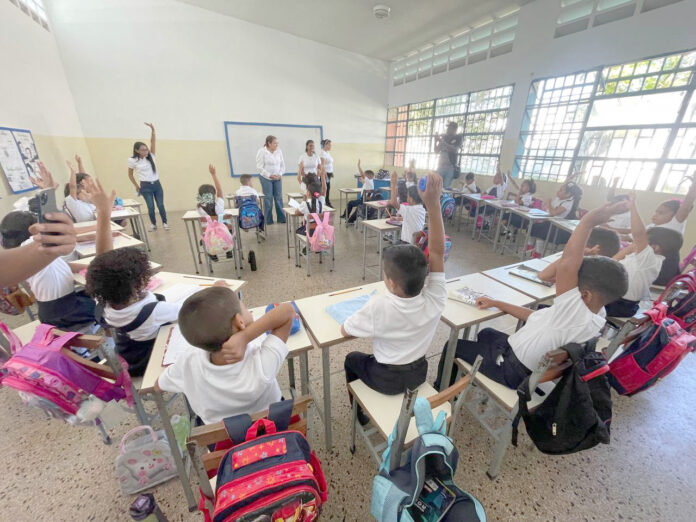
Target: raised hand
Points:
(433, 190)
(44, 180)
(211, 169)
(103, 201)
(601, 215)
(71, 166)
(152, 127)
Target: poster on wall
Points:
(18, 158)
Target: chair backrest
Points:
(690, 258)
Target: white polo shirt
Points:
(567, 205)
(143, 168)
(401, 328)
(673, 224)
(80, 210)
(328, 161)
(310, 163)
(642, 269)
(216, 392)
(413, 221)
(246, 191)
(53, 281)
(270, 163)
(163, 313)
(368, 184)
(526, 199)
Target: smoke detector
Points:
(381, 11)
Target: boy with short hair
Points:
(367, 178)
(246, 189)
(402, 322)
(235, 369)
(583, 284)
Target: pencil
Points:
(166, 344)
(345, 291)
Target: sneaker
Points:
(152, 228)
(529, 248)
(165, 226)
(536, 255)
(252, 260)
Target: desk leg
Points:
(143, 231)
(449, 358)
(380, 239)
(304, 373)
(291, 376)
(238, 232)
(326, 369)
(526, 240)
(176, 453)
(496, 238)
(340, 206)
(476, 216)
(193, 254)
(364, 253)
(287, 232)
(546, 241)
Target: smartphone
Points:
(44, 203)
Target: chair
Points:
(209, 262)
(303, 249)
(505, 400)
(385, 411)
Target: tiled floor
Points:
(56, 472)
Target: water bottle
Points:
(422, 183)
(145, 509)
(181, 426)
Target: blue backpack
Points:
(250, 215)
(432, 459)
(448, 206)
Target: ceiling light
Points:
(381, 11)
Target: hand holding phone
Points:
(43, 204)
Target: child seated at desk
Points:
(583, 284)
(565, 206)
(209, 199)
(367, 178)
(246, 190)
(235, 370)
(402, 322)
(673, 213)
(525, 198)
(314, 203)
(77, 201)
(411, 211)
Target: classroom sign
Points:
(18, 158)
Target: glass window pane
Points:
(636, 110)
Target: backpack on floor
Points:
(50, 379)
(322, 239)
(576, 415)
(421, 241)
(683, 310)
(217, 238)
(430, 466)
(272, 474)
(448, 206)
(653, 354)
(250, 215)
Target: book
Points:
(465, 295)
(176, 346)
(530, 274)
(433, 502)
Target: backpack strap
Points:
(15, 343)
(524, 396)
(143, 315)
(237, 427)
(657, 313)
(279, 413)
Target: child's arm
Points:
(688, 203)
(640, 235)
(80, 166)
(279, 321)
(573, 253)
(72, 183)
(518, 312)
(621, 254)
(436, 228)
(300, 172)
(360, 170)
(216, 181)
(152, 137)
(393, 193)
(549, 273)
(104, 204)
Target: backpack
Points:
(433, 457)
(270, 475)
(448, 206)
(48, 378)
(250, 215)
(323, 237)
(683, 310)
(576, 415)
(144, 461)
(217, 238)
(14, 300)
(421, 241)
(653, 354)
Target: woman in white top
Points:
(327, 165)
(271, 167)
(309, 163)
(143, 162)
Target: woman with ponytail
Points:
(327, 165)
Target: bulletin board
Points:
(18, 158)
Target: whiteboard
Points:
(244, 139)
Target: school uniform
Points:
(306, 211)
(150, 186)
(413, 221)
(401, 330)
(219, 208)
(136, 327)
(246, 191)
(310, 165)
(80, 210)
(673, 224)
(368, 186)
(207, 386)
(541, 230)
(620, 221)
(58, 302)
(526, 200)
(642, 268)
(471, 188)
(510, 359)
(329, 169)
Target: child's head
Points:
(206, 199)
(310, 178)
(528, 187)
(369, 174)
(571, 190)
(118, 277)
(79, 180)
(411, 176)
(402, 191)
(665, 241)
(470, 177)
(413, 197)
(666, 212)
(498, 178)
(601, 280)
(309, 147)
(14, 228)
(603, 242)
(245, 179)
(209, 317)
(405, 269)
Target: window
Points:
(35, 9)
(635, 122)
(482, 119)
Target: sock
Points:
(539, 245)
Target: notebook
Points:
(529, 273)
(176, 346)
(179, 292)
(465, 295)
(433, 503)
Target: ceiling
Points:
(350, 24)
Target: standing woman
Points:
(309, 164)
(271, 166)
(143, 162)
(327, 167)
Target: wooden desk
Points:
(345, 192)
(380, 227)
(532, 216)
(292, 223)
(380, 206)
(85, 224)
(122, 240)
(535, 290)
(133, 214)
(567, 225)
(86, 261)
(193, 220)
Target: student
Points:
(209, 198)
(672, 214)
(367, 178)
(327, 166)
(402, 322)
(525, 198)
(470, 184)
(583, 284)
(643, 261)
(564, 205)
(411, 178)
(235, 369)
(499, 185)
(411, 212)
(76, 200)
(310, 163)
(621, 223)
(314, 203)
(143, 162)
(246, 189)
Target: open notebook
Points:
(465, 295)
(529, 273)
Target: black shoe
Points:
(213, 258)
(229, 254)
(252, 260)
(363, 419)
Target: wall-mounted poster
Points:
(18, 158)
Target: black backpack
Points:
(577, 413)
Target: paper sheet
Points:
(176, 345)
(179, 292)
(343, 310)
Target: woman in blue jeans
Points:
(271, 167)
(143, 162)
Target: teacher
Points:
(143, 162)
(271, 167)
(448, 146)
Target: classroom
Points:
(258, 258)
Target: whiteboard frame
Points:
(20, 153)
(229, 151)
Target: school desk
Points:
(192, 219)
(477, 200)
(500, 208)
(292, 223)
(460, 316)
(85, 224)
(89, 248)
(567, 225)
(536, 290)
(86, 261)
(232, 199)
(380, 227)
(135, 217)
(324, 332)
(130, 202)
(380, 206)
(345, 192)
(531, 216)
(297, 196)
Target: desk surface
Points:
(349, 190)
(380, 225)
(86, 261)
(193, 215)
(565, 224)
(85, 224)
(130, 202)
(382, 203)
(125, 213)
(532, 214)
(89, 248)
(538, 291)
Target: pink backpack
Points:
(40, 369)
(323, 237)
(217, 237)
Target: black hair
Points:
(14, 228)
(531, 184)
(314, 188)
(371, 172)
(205, 318)
(672, 204)
(204, 201)
(244, 179)
(407, 267)
(402, 191)
(604, 276)
(452, 124)
(670, 241)
(575, 192)
(139, 144)
(607, 240)
(414, 195)
(117, 276)
(306, 145)
(469, 176)
(324, 142)
(79, 178)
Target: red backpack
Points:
(683, 309)
(652, 353)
